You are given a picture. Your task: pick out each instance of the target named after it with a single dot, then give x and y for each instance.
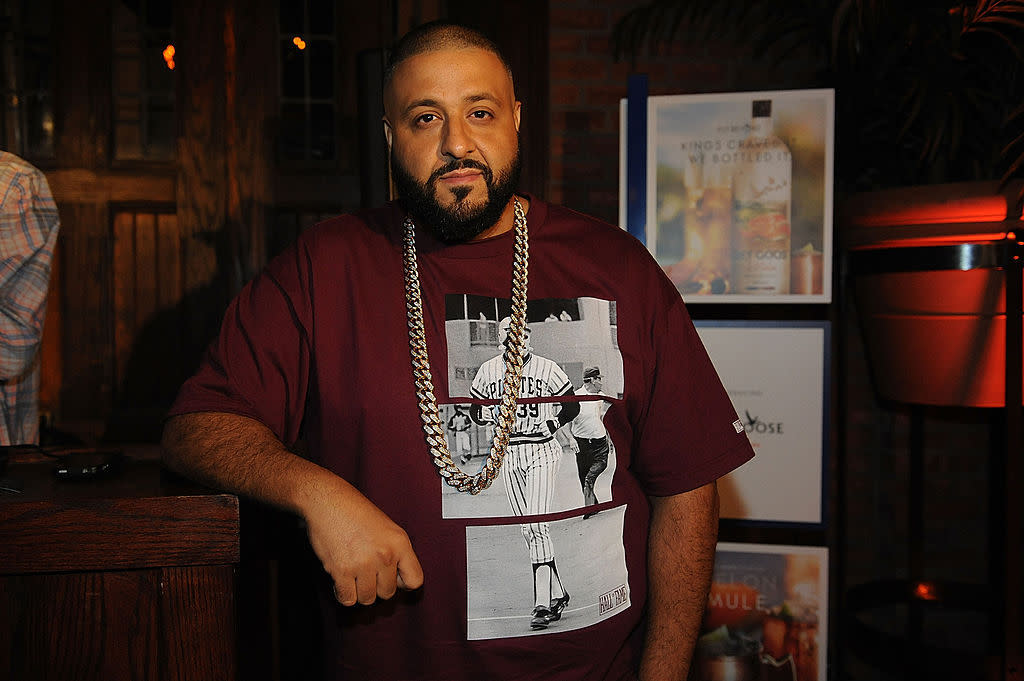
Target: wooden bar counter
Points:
(126, 577)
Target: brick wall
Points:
(587, 83)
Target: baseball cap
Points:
(591, 372)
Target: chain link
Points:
(513, 357)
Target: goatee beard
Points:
(462, 221)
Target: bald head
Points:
(439, 35)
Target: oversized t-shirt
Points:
(316, 348)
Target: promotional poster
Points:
(739, 194)
(767, 616)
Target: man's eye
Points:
(481, 114)
(426, 118)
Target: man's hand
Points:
(567, 441)
(367, 555)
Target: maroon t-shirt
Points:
(317, 348)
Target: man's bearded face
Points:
(452, 121)
(462, 219)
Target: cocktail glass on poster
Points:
(766, 618)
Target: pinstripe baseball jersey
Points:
(541, 378)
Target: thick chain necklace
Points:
(513, 356)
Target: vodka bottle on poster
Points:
(761, 209)
(705, 266)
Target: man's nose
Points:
(457, 141)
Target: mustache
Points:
(460, 164)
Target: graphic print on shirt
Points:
(528, 574)
(571, 347)
(509, 595)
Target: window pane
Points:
(321, 17)
(26, 85)
(321, 69)
(307, 89)
(40, 126)
(128, 109)
(322, 128)
(160, 136)
(291, 13)
(159, 77)
(127, 75)
(292, 142)
(127, 139)
(143, 83)
(127, 15)
(293, 70)
(159, 13)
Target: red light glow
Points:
(926, 592)
(974, 209)
(299, 42)
(936, 240)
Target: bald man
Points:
(315, 348)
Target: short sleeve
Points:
(259, 365)
(688, 435)
(558, 382)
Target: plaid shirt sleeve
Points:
(28, 234)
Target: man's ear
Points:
(516, 113)
(388, 133)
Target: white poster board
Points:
(776, 374)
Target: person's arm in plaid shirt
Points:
(28, 233)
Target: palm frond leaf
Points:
(1008, 40)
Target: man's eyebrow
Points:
(483, 96)
(428, 102)
(418, 103)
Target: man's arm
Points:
(681, 552)
(365, 552)
(29, 222)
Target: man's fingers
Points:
(345, 592)
(410, 573)
(384, 585)
(366, 589)
(387, 583)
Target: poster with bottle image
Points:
(767, 615)
(739, 194)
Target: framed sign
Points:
(739, 194)
(767, 615)
(777, 375)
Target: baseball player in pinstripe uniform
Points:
(532, 460)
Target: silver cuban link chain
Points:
(513, 357)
